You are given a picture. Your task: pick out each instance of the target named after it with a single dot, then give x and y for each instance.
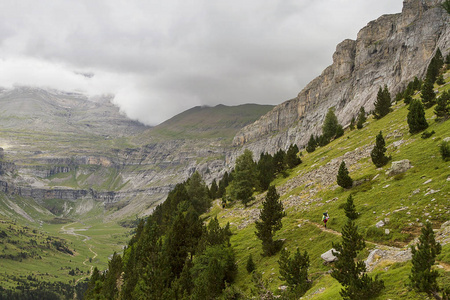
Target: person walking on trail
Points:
(325, 218)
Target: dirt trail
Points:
(382, 254)
(72, 231)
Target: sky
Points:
(159, 58)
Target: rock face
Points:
(390, 51)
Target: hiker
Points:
(325, 218)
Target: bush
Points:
(427, 134)
(444, 148)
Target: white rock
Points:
(379, 224)
(328, 256)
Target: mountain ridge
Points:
(391, 50)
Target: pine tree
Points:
(428, 95)
(213, 189)
(361, 118)
(416, 117)
(352, 124)
(349, 272)
(294, 271)
(279, 162)
(110, 289)
(442, 109)
(343, 179)
(292, 159)
(198, 192)
(266, 170)
(422, 278)
(435, 66)
(378, 152)
(350, 209)
(312, 144)
(270, 221)
(223, 183)
(330, 125)
(250, 266)
(244, 178)
(383, 103)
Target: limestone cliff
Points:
(390, 50)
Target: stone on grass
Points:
(379, 224)
(399, 167)
(328, 256)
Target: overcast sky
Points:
(162, 57)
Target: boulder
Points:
(399, 167)
(328, 256)
(379, 224)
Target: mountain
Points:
(85, 153)
(74, 167)
(220, 121)
(390, 51)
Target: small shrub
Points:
(444, 148)
(427, 134)
(399, 176)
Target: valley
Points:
(77, 177)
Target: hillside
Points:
(392, 210)
(220, 121)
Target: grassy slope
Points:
(49, 264)
(374, 199)
(209, 122)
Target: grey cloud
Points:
(161, 57)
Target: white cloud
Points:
(162, 57)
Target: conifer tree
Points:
(294, 271)
(330, 125)
(351, 273)
(352, 124)
(350, 209)
(292, 159)
(279, 162)
(422, 278)
(442, 109)
(244, 178)
(198, 192)
(110, 289)
(361, 118)
(213, 189)
(435, 66)
(378, 152)
(266, 170)
(312, 144)
(416, 117)
(383, 103)
(270, 221)
(427, 94)
(343, 179)
(223, 183)
(250, 266)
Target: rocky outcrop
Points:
(390, 51)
